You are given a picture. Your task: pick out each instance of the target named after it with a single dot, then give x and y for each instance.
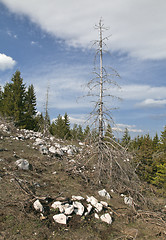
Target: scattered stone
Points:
(97, 216)
(69, 210)
(106, 218)
(92, 200)
(104, 193)
(74, 198)
(22, 164)
(128, 201)
(38, 206)
(56, 204)
(70, 152)
(60, 218)
(98, 207)
(59, 153)
(79, 208)
(52, 149)
(38, 141)
(89, 208)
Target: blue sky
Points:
(50, 43)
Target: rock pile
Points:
(80, 206)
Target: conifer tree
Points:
(30, 108)
(66, 130)
(163, 140)
(126, 138)
(18, 97)
(7, 101)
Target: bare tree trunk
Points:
(100, 104)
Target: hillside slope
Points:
(48, 179)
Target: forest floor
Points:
(19, 189)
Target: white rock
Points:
(38, 141)
(79, 208)
(70, 152)
(60, 218)
(98, 207)
(52, 139)
(105, 204)
(38, 206)
(56, 204)
(65, 149)
(57, 145)
(22, 164)
(128, 201)
(54, 173)
(106, 218)
(97, 216)
(104, 193)
(74, 198)
(59, 152)
(89, 208)
(69, 210)
(92, 200)
(52, 149)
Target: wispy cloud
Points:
(120, 127)
(137, 27)
(6, 62)
(152, 103)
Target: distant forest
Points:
(18, 103)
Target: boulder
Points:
(22, 164)
(56, 204)
(52, 149)
(104, 193)
(92, 200)
(38, 206)
(60, 218)
(79, 208)
(59, 152)
(38, 141)
(70, 152)
(106, 218)
(69, 209)
(98, 207)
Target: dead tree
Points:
(99, 87)
(46, 115)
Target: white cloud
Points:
(137, 26)
(131, 128)
(142, 92)
(6, 62)
(153, 103)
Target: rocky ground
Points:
(45, 196)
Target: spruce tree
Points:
(66, 130)
(30, 108)
(7, 101)
(18, 97)
(126, 138)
